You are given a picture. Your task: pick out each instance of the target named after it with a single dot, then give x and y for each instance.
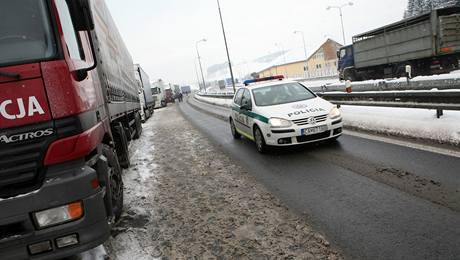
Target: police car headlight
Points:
(279, 123)
(335, 113)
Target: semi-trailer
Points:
(69, 106)
(145, 88)
(429, 43)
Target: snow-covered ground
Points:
(225, 102)
(405, 122)
(185, 199)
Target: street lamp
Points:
(199, 60)
(305, 51)
(226, 47)
(341, 17)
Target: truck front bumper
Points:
(19, 230)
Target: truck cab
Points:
(346, 62)
(62, 124)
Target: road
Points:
(372, 199)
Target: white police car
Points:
(276, 112)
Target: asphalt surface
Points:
(373, 200)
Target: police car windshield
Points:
(281, 94)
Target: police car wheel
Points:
(235, 134)
(259, 140)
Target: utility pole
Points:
(226, 47)
(305, 52)
(341, 18)
(199, 60)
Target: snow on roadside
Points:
(408, 122)
(224, 102)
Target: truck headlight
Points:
(335, 113)
(279, 123)
(59, 215)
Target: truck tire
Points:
(138, 126)
(350, 75)
(163, 103)
(146, 115)
(115, 186)
(121, 144)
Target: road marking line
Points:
(412, 145)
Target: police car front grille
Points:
(305, 121)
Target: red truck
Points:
(68, 108)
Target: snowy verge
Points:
(419, 124)
(223, 102)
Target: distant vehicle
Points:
(186, 90)
(277, 112)
(158, 92)
(169, 95)
(429, 43)
(145, 95)
(176, 89)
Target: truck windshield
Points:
(25, 32)
(281, 94)
(156, 91)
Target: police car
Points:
(273, 111)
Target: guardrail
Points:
(437, 100)
(428, 83)
(217, 95)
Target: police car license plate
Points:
(314, 130)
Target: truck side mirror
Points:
(81, 13)
(338, 54)
(82, 19)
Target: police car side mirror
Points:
(247, 107)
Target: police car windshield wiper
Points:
(10, 75)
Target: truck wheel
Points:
(138, 126)
(121, 144)
(163, 103)
(235, 134)
(260, 141)
(147, 115)
(115, 185)
(349, 75)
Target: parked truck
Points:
(428, 43)
(68, 107)
(159, 94)
(145, 92)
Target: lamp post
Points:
(199, 60)
(341, 17)
(226, 47)
(305, 52)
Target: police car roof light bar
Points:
(247, 82)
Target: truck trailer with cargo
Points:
(428, 43)
(145, 88)
(69, 105)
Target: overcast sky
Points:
(161, 34)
